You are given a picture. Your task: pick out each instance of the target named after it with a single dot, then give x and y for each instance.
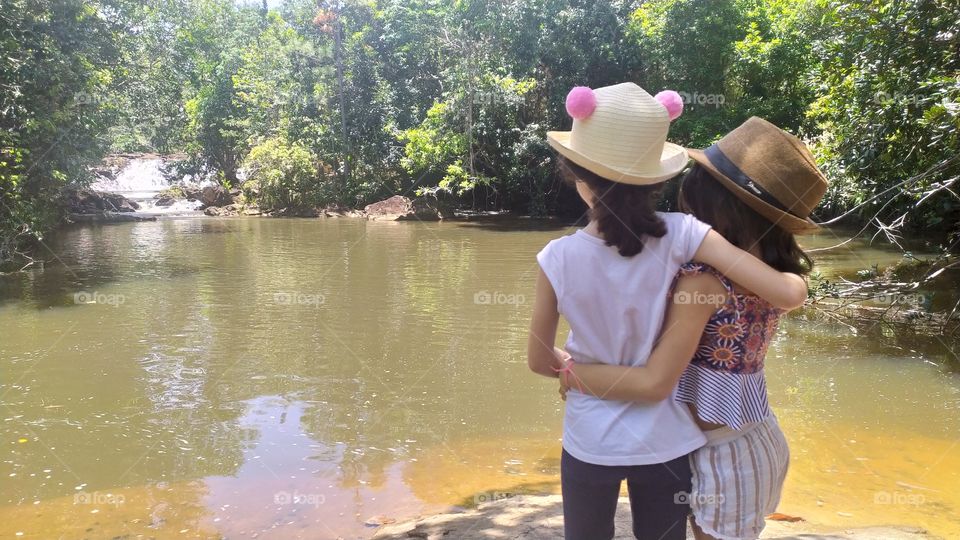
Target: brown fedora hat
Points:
(768, 169)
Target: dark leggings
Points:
(658, 498)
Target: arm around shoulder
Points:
(782, 289)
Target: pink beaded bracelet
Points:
(566, 371)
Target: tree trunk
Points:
(338, 59)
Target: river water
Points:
(296, 378)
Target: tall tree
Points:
(57, 60)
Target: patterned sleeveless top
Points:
(725, 379)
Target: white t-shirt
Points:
(615, 307)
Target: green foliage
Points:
(888, 109)
(431, 146)
(729, 59)
(283, 175)
(216, 127)
(350, 102)
(504, 71)
(55, 59)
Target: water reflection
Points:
(299, 377)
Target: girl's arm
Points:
(542, 356)
(782, 289)
(695, 299)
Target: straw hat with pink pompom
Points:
(620, 133)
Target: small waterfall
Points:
(139, 179)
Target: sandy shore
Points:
(540, 518)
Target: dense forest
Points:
(305, 103)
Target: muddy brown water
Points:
(310, 378)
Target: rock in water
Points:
(215, 196)
(228, 210)
(221, 211)
(399, 207)
(191, 192)
(121, 203)
(108, 217)
(430, 208)
(394, 208)
(164, 200)
(87, 201)
(379, 521)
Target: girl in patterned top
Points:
(751, 187)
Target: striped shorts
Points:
(737, 479)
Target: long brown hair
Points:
(709, 201)
(624, 213)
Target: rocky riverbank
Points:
(396, 208)
(130, 187)
(88, 205)
(541, 518)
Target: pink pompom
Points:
(581, 102)
(672, 102)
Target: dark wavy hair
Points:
(711, 202)
(624, 213)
